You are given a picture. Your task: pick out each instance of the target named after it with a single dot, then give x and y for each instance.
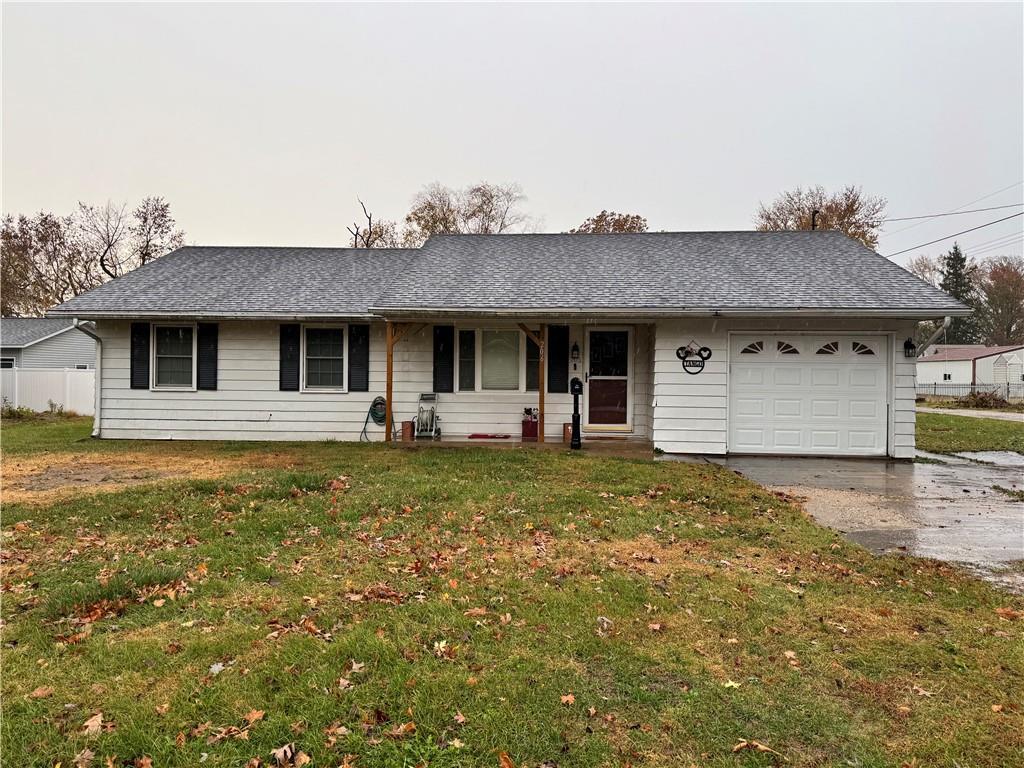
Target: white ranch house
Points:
(696, 342)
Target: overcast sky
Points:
(262, 123)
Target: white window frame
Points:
(478, 335)
(343, 389)
(152, 357)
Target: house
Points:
(971, 364)
(41, 342)
(695, 342)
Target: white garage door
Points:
(808, 394)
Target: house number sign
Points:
(693, 357)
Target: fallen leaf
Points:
(654, 627)
(253, 715)
(144, 762)
(921, 691)
(757, 746)
(459, 718)
(84, 758)
(568, 699)
(41, 692)
(730, 684)
(216, 668)
(159, 603)
(997, 708)
(93, 725)
(475, 612)
(1010, 614)
(162, 709)
(456, 743)
(283, 755)
(301, 759)
(505, 761)
(344, 683)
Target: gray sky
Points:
(261, 123)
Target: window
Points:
(467, 361)
(947, 377)
(499, 359)
(324, 357)
(861, 349)
(80, 367)
(174, 348)
(785, 348)
(832, 348)
(753, 348)
(6, 362)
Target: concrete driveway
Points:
(948, 511)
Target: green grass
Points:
(939, 433)
(686, 607)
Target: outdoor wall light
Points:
(574, 354)
(909, 348)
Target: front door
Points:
(609, 405)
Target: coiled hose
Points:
(377, 413)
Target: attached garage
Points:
(824, 394)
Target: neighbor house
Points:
(974, 364)
(44, 342)
(695, 342)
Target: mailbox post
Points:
(576, 389)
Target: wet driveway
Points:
(949, 511)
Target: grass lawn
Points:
(939, 433)
(472, 606)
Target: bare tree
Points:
(928, 268)
(374, 234)
(849, 211)
(152, 231)
(609, 222)
(104, 231)
(482, 209)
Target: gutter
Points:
(946, 322)
(98, 394)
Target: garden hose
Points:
(377, 413)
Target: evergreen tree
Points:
(958, 282)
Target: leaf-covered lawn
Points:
(460, 607)
(940, 433)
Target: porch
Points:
(484, 373)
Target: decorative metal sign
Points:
(693, 357)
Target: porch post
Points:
(389, 388)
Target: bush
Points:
(8, 411)
(983, 400)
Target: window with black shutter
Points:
(358, 358)
(206, 373)
(289, 361)
(558, 358)
(444, 358)
(140, 356)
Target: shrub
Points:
(983, 399)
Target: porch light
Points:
(909, 348)
(574, 354)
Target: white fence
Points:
(36, 388)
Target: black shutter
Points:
(558, 358)
(206, 365)
(140, 356)
(444, 358)
(289, 365)
(358, 358)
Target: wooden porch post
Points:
(539, 338)
(389, 389)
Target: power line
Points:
(972, 202)
(956, 213)
(998, 246)
(956, 234)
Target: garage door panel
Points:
(807, 394)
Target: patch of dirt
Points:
(43, 478)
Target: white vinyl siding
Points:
(65, 350)
(928, 372)
(248, 403)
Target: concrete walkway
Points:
(948, 510)
(973, 414)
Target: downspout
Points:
(946, 322)
(99, 376)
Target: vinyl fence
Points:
(37, 388)
(1011, 391)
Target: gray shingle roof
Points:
(25, 331)
(656, 272)
(660, 271)
(267, 282)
